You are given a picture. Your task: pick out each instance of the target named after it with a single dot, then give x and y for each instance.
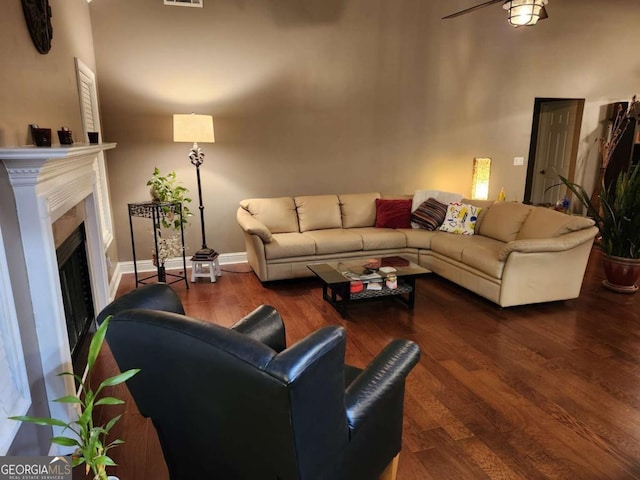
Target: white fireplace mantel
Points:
(47, 182)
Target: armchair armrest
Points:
(252, 226)
(386, 372)
(555, 244)
(265, 325)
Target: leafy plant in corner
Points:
(166, 188)
(89, 440)
(618, 215)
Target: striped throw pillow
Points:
(430, 214)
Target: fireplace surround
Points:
(46, 183)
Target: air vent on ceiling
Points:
(184, 3)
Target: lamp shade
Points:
(480, 178)
(524, 12)
(190, 127)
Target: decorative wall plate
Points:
(37, 14)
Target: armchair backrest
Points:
(227, 406)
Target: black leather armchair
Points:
(236, 404)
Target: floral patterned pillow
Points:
(460, 218)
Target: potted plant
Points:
(89, 440)
(617, 215)
(167, 189)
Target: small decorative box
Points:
(64, 136)
(356, 286)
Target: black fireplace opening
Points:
(76, 296)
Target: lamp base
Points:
(205, 254)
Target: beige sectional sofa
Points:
(519, 254)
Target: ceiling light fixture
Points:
(524, 12)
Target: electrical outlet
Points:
(519, 161)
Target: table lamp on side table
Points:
(198, 128)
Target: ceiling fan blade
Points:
(472, 9)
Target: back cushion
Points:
(483, 204)
(358, 209)
(317, 212)
(548, 223)
(278, 214)
(503, 220)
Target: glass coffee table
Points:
(337, 278)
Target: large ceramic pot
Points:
(622, 273)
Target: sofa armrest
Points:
(265, 325)
(252, 226)
(386, 372)
(555, 244)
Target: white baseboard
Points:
(115, 281)
(171, 264)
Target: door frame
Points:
(533, 145)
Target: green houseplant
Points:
(616, 208)
(167, 188)
(617, 215)
(88, 439)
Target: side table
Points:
(205, 268)
(157, 211)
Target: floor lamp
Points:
(196, 128)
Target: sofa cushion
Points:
(335, 240)
(317, 212)
(284, 245)
(548, 223)
(419, 238)
(484, 254)
(483, 205)
(358, 209)
(277, 214)
(430, 214)
(451, 245)
(460, 218)
(393, 213)
(503, 220)
(380, 238)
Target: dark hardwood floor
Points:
(548, 391)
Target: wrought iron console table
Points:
(157, 212)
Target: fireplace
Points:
(75, 284)
(47, 183)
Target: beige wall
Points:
(40, 89)
(334, 96)
(309, 96)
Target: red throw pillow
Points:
(393, 213)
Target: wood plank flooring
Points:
(548, 391)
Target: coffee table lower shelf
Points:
(339, 295)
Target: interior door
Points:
(554, 146)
